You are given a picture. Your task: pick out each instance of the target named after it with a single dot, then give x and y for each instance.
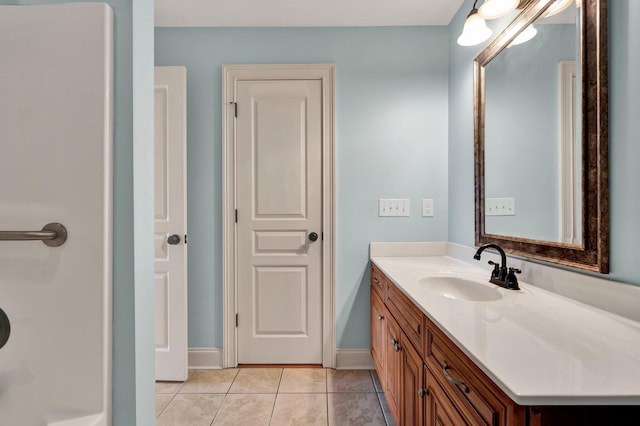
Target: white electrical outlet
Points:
(427, 207)
(394, 207)
(500, 206)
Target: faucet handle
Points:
(512, 281)
(496, 269)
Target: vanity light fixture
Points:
(557, 7)
(475, 30)
(526, 35)
(492, 9)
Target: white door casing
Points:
(171, 220)
(281, 182)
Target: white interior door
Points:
(279, 206)
(171, 223)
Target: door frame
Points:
(231, 74)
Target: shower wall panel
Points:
(56, 88)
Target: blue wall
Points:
(391, 140)
(524, 78)
(624, 150)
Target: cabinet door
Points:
(377, 321)
(439, 410)
(412, 384)
(393, 364)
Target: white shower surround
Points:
(56, 110)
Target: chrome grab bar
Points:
(52, 234)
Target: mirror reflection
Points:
(533, 158)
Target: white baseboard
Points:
(354, 359)
(346, 359)
(205, 358)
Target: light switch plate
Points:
(500, 206)
(394, 207)
(427, 207)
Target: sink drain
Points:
(5, 328)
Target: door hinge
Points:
(235, 108)
(236, 320)
(236, 215)
(185, 238)
(322, 236)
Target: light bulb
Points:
(475, 30)
(557, 7)
(492, 9)
(526, 35)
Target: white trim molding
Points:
(567, 174)
(231, 74)
(354, 359)
(205, 358)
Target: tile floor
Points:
(273, 396)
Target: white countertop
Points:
(538, 347)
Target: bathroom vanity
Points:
(452, 349)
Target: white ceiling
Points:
(303, 13)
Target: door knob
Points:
(173, 239)
(5, 328)
(313, 236)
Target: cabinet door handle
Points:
(455, 382)
(380, 317)
(397, 348)
(394, 341)
(375, 280)
(422, 392)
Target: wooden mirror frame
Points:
(593, 252)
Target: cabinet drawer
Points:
(409, 317)
(466, 385)
(378, 281)
(440, 411)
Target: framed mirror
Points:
(541, 136)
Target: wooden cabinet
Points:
(410, 318)
(425, 377)
(428, 380)
(476, 396)
(412, 378)
(439, 410)
(393, 364)
(378, 332)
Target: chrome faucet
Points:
(501, 275)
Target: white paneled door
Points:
(279, 221)
(171, 223)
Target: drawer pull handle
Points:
(380, 317)
(455, 382)
(375, 280)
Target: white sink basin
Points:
(460, 288)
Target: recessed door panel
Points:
(162, 311)
(273, 243)
(280, 157)
(280, 296)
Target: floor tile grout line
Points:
(326, 397)
(166, 406)
(280, 381)
(218, 410)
